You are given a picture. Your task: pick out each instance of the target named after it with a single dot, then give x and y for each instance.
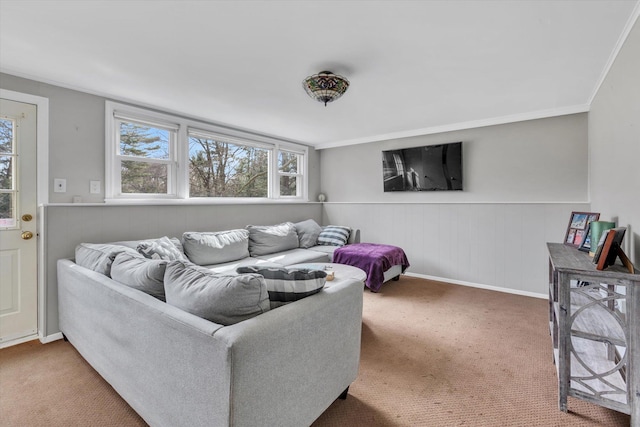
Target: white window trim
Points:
(184, 127)
(171, 162)
(301, 174)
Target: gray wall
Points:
(76, 139)
(522, 181)
(614, 140)
(533, 161)
(76, 153)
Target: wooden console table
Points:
(594, 319)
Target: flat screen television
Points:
(428, 168)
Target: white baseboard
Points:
(479, 285)
(50, 338)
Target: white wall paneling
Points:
(493, 245)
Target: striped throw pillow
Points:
(334, 235)
(289, 284)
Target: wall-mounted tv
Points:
(428, 168)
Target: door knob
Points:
(27, 217)
(26, 235)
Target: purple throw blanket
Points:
(373, 258)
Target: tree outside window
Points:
(222, 169)
(144, 151)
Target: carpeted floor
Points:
(433, 354)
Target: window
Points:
(157, 156)
(146, 157)
(290, 173)
(8, 194)
(219, 168)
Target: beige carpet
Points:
(433, 354)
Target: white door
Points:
(18, 241)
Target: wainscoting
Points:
(492, 245)
(498, 246)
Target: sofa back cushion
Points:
(206, 248)
(308, 232)
(334, 235)
(268, 239)
(223, 299)
(289, 284)
(138, 272)
(99, 256)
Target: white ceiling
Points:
(415, 66)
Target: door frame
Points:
(42, 198)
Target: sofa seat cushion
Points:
(138, 272)
(205, 248)
(289, 284)
(232, 266)
(295, 256)
(223, 299)
(325, 249)
(99, 256)
(268, 239)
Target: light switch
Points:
(94, 187)
(59, 185)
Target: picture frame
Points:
(585, 244)
(609, 247)
(578, 228)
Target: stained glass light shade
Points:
(325, 86)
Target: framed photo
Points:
(609, 247)
(585, 244)
(578, 228)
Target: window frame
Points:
(199, 132)
(178, 182)
(299, 175)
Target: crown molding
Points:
(616, 50)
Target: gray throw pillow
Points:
(289, 284)
(334, 235)
(99, 256)
(162, 248)
(216, 247)
(223, 299)
(138, 272)
(308, 232)
(268, 239)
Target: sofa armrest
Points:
(163, 361)
(302, 355)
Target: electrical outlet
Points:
(94, 187)
(59, 185)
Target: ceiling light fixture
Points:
(325, 86)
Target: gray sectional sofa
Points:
(279, 366)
